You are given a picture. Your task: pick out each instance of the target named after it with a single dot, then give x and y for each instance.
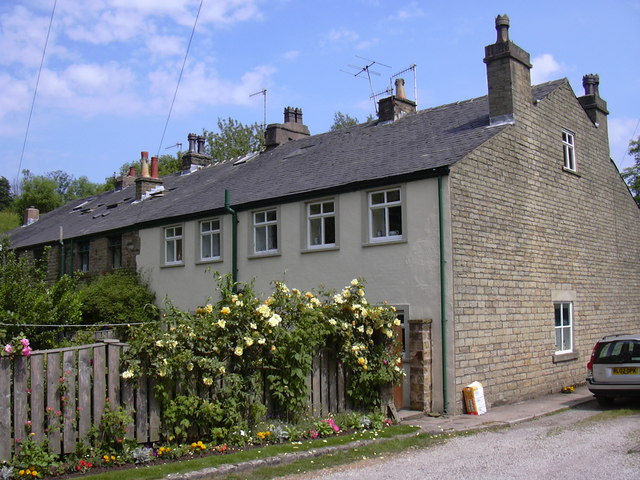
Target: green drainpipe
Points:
(234, 238)
(443, 317)
(71, 257)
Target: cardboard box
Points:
(474, 399)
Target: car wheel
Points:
(604, 401)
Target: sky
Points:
(111, 67)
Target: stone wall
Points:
(420, 365)
(526, 232)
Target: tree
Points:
(234, 139)
(6, 197)
(26, 298)
(631, 175)
(341, 120)
(8, 220)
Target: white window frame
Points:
(569, 150)
(565, 327)
(386, 235)
(321, 218)
(172, 237)
(270, 227)
(213, 232)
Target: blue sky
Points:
(111, 67)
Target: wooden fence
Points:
(59, 394)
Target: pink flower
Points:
(24, 342)
(26, 351)
(8, 348)
(313, 433)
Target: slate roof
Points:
(415, 146)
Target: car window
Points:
(619, 351)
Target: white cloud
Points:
(545, 68)
(291, 54)
(621, 132)
(342, 35)
(411, 11)
(164, 45)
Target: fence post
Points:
(5, 409)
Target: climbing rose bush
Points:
(218, 357)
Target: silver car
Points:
(614, 368)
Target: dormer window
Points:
(568, 150)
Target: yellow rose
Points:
(225, 310)
(238, 351)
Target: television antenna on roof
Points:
(178, 144)
(262, 92)
(413, 67)
(365, 72)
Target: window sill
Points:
(332, 248)
(391, 241)
(207, 262)
(565, 357)
(572, 172)
(172, 265)
(264, 255)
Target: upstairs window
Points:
(564, 326)
(265, 231)
(568, 150)
(115, 251)
(173, 245)
(321, 224)
(210, 240)
(385, 215)
(83, 254)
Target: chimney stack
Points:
(508, 76)
(31, 215)
(396, 106)
(292, 129)
(145, 182)
(195, 157)
(595, 107)
(126, 180)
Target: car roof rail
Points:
(618, 335)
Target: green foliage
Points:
(218, 357)
(6, 197)
(167, 164)
(34, 455)
(233, 139)
(631, 175)
(8, 220)
(118, 297)
(109, 437)
(26, 298)
(341, 120)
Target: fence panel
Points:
(60, 394)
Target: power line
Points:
(184, 62)
(35, 92)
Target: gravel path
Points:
(565, 446)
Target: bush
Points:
(121, 297)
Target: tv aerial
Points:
(366, 72)
(413, 68)
(262, 92)
(177, 144)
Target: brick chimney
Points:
(396, 106)
(126, 180)
(508, 76)
(31, 215)
(595, 107)
(145, 183)
(292, 129)
(195, 157)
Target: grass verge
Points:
(159, 471)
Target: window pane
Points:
(378, 223)
(327, 207)
(330, 230)
(179, 250)
(395, 220)
(261, 239)
(566, 318)
(206, 246)
(315, 231)
(178, 231)
(171, 255)
(377, 198)
(273, 237)
(558, 339)
(557, 312)
(215, 245)
(260, 217)
(271, 216)
(314, 209)
(393, 196)
(566, 338)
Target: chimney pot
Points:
(590, 83)
(502, 28)
(200, 140)
(132, 171)
(144, 164)
(192, 137)
(400, 93)
(154, 167)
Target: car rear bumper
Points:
(618, 390)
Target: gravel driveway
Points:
(569, 445)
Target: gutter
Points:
(443, 296)
(234, 239)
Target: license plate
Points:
(625, 371)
